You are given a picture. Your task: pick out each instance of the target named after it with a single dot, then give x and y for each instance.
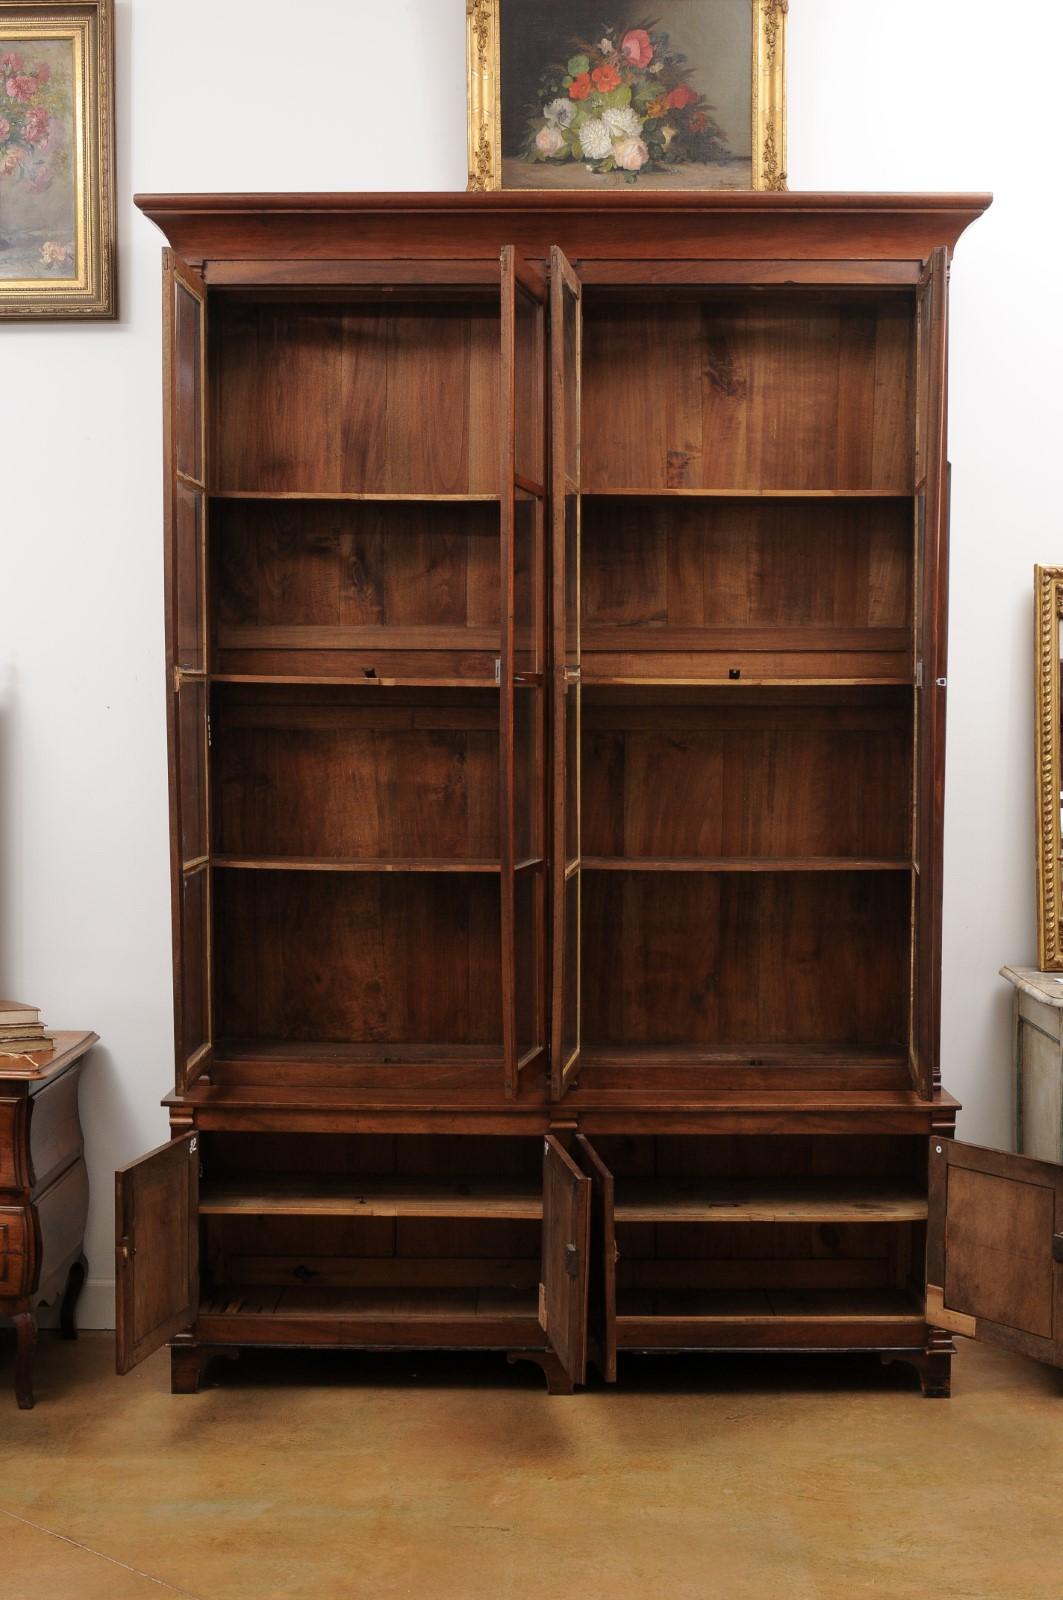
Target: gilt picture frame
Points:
(57, 205)
(1048, 660)
(601, 94)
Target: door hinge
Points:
(210, 739)
(572, 1260)
(498, 670)
(573, 674)
(1057, 1247)
(919, 674)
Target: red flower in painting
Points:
(681, 96)
(37, 122)
(21, 87)
(580, 87)
(606, 78)
(42, 72)
(638, 47)
(10, 62)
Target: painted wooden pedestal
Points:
(1038, 1057)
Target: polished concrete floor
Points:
(341, 1477)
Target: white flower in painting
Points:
(561, 112)
(606, 46)
(595, 139)
(622, 123)
(631, 154)
(549, 140)
(658, 66)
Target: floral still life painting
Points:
(578, 94)
(56, 231)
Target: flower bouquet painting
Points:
(596, 94)
(56, 159)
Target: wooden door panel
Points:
(565, 359)
(566, 1250)
(522, 710)
(185, 318)
(156, 1249)
(601, 1299)
(995, 1248)
(930, 658)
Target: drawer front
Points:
(16, 1232)
(55, 1129)
(9, 1135)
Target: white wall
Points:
(913, 95)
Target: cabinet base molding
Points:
(934, 1369)
(189, 1362)
(557, 1379)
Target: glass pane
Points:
(571, 378)
(189, 639)
(195, 995)
(570, 986)
(530, 910)
(528, 387)
(528, 585)
(572, 578)
(572, 710)
(187, 383)
(528, 763)
(191, 714)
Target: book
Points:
(21, 1047)
(12, 1011)
(21, 1030)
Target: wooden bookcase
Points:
(556, 632)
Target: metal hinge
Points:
(210, 739)
(919, 674)
(498, 670)
(573, 674)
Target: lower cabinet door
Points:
(566, 1258)
(156, 1249)
(601, 1296)
(995, 1248)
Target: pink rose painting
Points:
(37, 178)
(604, 96)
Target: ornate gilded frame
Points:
(769, 93)
(92, 291)
(1048, 591)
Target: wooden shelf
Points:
(380, 495)
(759, 1306)
(485, 1318)
(742, 864)
(508, 1200)
(522, 680)
(812, 1200)
(750, 494)
(591, 680)
(352, 864)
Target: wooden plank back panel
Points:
(786, 393)
(741, 960)
(404, 400)
(752, 781)
(351, 957)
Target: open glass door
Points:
(931, 623)
(995, 1248)
(566, 321)
(564, 1287)
(185, 317)
(522, 708)
(156, 1249)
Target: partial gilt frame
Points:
(1048, 591)
(93, 294)
(485, 104)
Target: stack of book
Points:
(21, 1029)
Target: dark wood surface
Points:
(729, 418)
(44, 1192)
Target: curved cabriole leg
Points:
(557, 1379)
(74, 1284)
(26, 1330)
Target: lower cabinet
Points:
(370, 1241)
(570, 1249)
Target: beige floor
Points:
(337, 1478)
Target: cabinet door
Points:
(185, 319)
(522, 708)
(931, 622)
(601, 1296)
(566, 326)
(566, 1248)
(156, 1249)
(995, 1248)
